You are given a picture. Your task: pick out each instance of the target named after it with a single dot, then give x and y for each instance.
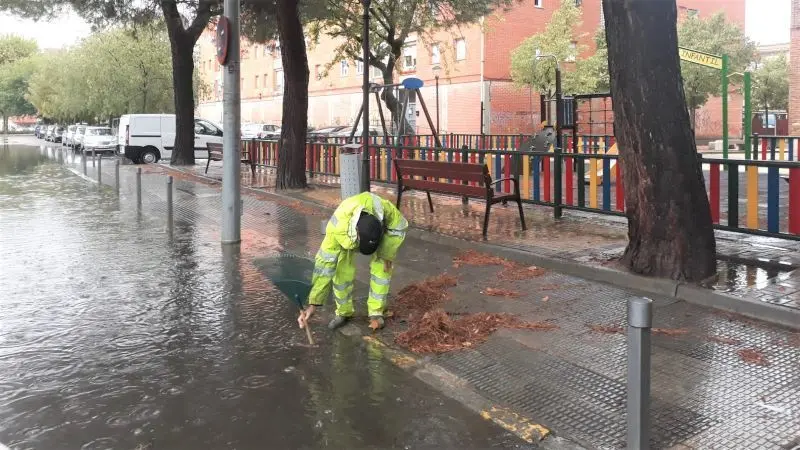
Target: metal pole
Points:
(365, 185)
(438, 130)
(100, 170)
(724, 106)
(139, 187)
(169, 204)
(557, 210)
(640, 319)
(231, 111)
(94, 159)
(83, 161)
(748, 115)
(116, 175)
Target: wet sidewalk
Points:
(719, 381)
(755, 268)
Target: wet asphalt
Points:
(114, 335)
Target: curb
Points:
(767, 312)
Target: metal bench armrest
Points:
(514, 179)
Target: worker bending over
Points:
(375, 227)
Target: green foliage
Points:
(16, 67)
(771, 84)
(560, 39)
(123, 70)
(716, 36)
(13, 48)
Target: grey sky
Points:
(767, 22)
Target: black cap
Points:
(369, 230)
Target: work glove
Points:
(305, 315)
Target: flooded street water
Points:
(113, 336)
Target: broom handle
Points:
(308, 333)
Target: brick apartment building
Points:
(474, 65)
(794, 71)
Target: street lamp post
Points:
(365, 187)
(436, 69)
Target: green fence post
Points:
(748, 119)
(724, 106)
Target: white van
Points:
(147, 138)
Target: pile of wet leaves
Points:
(438, 332)
(511, 271)
(418, 298)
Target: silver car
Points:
(99, 140)
(67, 140)
(77, 138)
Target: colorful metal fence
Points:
(775, 148)
(590, 179)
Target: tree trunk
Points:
(393, 104)
(5, 123)
(182, 76)
(669, 219)
(294, 123)
(182, 41)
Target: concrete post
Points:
(116, 175)
(94, 159)
(138, 187)
(640, 319)
(169, 205)
(100, 170)
(231, 111)
(83, 161)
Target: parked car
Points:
(345, 133)
(77, 138)
(260, 131)
(58, 134)
(67, 140)
(147, 138)
(99, 140)
(322, 134)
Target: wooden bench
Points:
(215, 154)
(461, 174)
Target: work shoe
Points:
(337, 322)
(376, 322)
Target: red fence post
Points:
(794, 201)
(713, 194)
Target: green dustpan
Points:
(291, 274)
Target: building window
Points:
(436, 55)
(255, 52)
(359, 67)
(318, 72)
(692, 13)
(538, 3)
(375, 72)
(461, 49)
(264, 81)
(279, 80)
(410, 57)
(344, 68)
(256, 83)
